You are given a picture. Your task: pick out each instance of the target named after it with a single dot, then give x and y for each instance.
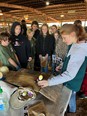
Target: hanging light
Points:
(26, 17)
(1, 12)
(47, 3)
(61, 15)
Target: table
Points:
(55, 98)
(56, 105)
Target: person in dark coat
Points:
(24, 27)
(35, 28)
(20, 44)
(44, 47)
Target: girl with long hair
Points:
(75, 63)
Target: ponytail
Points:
(80, 33)
(78, 29)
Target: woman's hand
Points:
(43, 83)
(46, 56)
(40, 56)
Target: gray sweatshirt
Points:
(77, 53)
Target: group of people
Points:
(38, 46)
(33, 47)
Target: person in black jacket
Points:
(20, 44)
(24, 27)
(35, 28)
(44, 47)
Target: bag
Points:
(43, 62)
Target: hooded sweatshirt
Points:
(21, 45)
(74, 68)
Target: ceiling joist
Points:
(26, 8)
(37, 10)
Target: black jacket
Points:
(21, 45)
(45, 45)
(36, 34)
(24, 29)
(23, 49)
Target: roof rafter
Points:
(63, 5)
(26, 8)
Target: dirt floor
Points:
(81, 108)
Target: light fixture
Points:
(71, 11)
(26, 17)
(61, 15)
(47, 3)
(1, 12)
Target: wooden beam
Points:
(49, 10)
(63, 8)
(11, 1)
(63, 5)
(13, 11)
(57, 13)
(65, 11)
(16, 12)
(26, 8)
(9, 15)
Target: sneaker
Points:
(83, 96)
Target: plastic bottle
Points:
(4, 103)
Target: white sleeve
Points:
(73, 67)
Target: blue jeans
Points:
(72, 102)
(44, 69)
